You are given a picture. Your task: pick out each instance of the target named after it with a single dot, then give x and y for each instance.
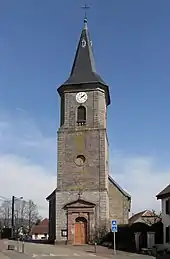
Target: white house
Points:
(164, 196)
(40, 231)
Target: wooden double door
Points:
(80, 231)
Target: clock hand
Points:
(82, 95)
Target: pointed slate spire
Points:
(83, 69)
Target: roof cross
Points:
(85, 7)
(79, 194)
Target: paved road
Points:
(39, 251)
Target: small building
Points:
(41, 230)
(164, 196)
(146, 216)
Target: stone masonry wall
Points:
(118, 205)
(90, 143)
(88, 140)
(62, 198)
(95, 107)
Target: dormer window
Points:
(81, 115)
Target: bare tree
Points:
(31, 214)
(153, 218)
(100, 231)
(25, 215)
(5, 213)
(18, 217)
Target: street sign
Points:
(114, 226)
(114, 230)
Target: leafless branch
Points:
(153, 218)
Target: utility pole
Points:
(13, 212)
(8, 216)
(12, 218)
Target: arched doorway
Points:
(80, 231)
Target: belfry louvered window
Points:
(81, 115)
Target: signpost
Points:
(114, 230)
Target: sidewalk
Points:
(2, 244)
(3, 256)
(108, 253)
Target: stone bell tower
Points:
(82, 202)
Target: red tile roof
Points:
(142, 214)
(41, 228)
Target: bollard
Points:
(18, 245)
(23, 247)
(95, 247)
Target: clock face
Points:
(81, 97)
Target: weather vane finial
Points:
(85, 7)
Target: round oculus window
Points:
(80, 160)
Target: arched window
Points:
(81, 219)
(81, 115)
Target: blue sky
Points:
(131, 43)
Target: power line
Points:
(4, 198)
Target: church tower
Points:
(86, 197)
(82, 172)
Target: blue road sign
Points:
(114, 226)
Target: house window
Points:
(81, 115)
(167, 234)
(167, 207)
